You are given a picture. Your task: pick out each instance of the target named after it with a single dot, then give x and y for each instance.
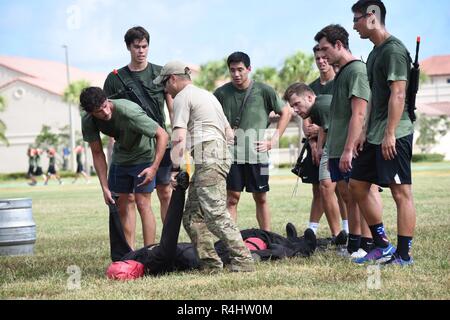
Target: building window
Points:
(19, 93)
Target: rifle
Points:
(127, 90)
(298, 169)
(413, 86)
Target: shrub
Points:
(427, 157)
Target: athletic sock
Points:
(403, 247)
(379, 235)
(314, 226)
(345, 226)
(354, 241)
(366, 244)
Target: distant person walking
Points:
(31, 153)
(80, 170)
(51, 172)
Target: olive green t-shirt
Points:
(351, 81)
(255, 118)
(388, 62)
(130, 127)
(320, 111)
(319, 88)
(114, 88)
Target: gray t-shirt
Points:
(199, 111)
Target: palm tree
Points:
(72, 96)
(73, 91)
(210, 73)
(297, 68)
(2, 124)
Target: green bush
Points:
(22, 175)
(286, 141)
(427, 157)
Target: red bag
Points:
(125, 270)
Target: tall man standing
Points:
(324, 190)
(250, 168)
(134, 159)
(347, 112)
(386, 157)
(139, 75)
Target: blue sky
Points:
(197, 31)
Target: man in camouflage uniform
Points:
(200, 125)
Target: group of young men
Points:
(359, 134)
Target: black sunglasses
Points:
(356, 19)
(165, 81)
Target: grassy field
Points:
(72, 230)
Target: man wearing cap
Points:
(134, 160)
(200, 125)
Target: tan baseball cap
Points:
(172, 67)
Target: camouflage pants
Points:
(206, 213)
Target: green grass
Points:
(72, 229)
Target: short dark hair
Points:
(237, 57)
(316, 48)
(362, 6)
(297, 88)
(92, 98)
(333, 33)
(136, 33)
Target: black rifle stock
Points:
(413, 85)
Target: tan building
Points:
(433, 98)
(33, 91)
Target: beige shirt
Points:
(198, 111)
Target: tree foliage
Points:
(212, 72)
(431, 130)
(298, 67)
(73, 91)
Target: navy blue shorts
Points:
(254, 177)
(124, 179)
(370, 165)
(79, 168)
(335, 173)
(163, 174)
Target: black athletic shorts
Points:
(79, 168)
(164, 174)
(310, 172)
(370, 165)
(254, 177)
(30, 171)
(38, 171)
(51, 170)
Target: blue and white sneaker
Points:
(377, 255)
(398, 261)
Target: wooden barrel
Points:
(17, 227)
